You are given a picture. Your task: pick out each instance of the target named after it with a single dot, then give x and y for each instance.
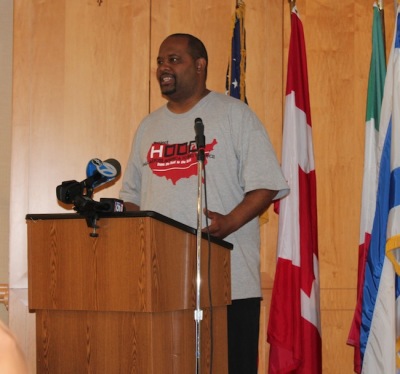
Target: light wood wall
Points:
(6, 26)
(84, 77)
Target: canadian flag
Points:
(294, 330)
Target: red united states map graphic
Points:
(176, 161)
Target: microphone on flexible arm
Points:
(80, 193)
(98, 173)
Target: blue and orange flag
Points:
(376, 83)
(375, 331)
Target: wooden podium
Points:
(124, 301)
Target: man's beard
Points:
(168, 91)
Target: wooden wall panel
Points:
(6, 45)
(81, 86)
(264, 87)
(264, 83)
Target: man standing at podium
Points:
(242, 177)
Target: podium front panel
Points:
(124, 301)
(135, 264)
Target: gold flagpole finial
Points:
(293, 4)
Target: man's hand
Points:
(254, 203)
(220, 226)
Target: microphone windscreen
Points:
(109, 168)
(198, 126)
(115, 164)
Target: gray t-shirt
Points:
(161, 174)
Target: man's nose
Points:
(164, 67)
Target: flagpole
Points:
(382, 14)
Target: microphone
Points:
(98, 173)
(199, 138)
(199, 130)
(105, 205)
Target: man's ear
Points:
(201, 64)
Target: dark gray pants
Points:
(243, 332)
